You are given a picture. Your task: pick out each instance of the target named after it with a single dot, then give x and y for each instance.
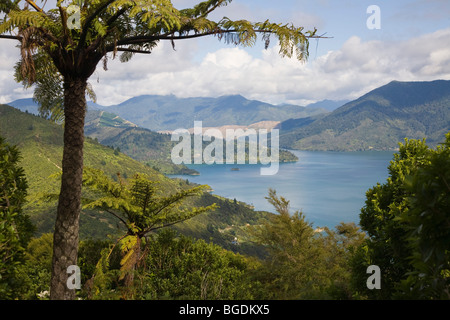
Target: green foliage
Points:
(36, 270)
(387, 247)
(226, 226)
(141, 207)
(122, 25)
(112, 26)
(25, 18)
(42, 150)
(291, 247)
(428, 223)
(15, 226)
(180, 268)
(139, 204)
(302, 262)
(174, 267)
(407, 222)
(7, 5)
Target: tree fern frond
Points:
(130, 247)
(126, 56)
(98, 180)
(204, 8)
(139, 202)
(25, 18)
(7, 5)
(91, 93)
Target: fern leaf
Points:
(130, 247)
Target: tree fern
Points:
(138, 203)
(110, 26)
(141, 208)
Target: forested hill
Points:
(149, 147)
(40, 143)
(378, 120)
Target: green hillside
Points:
(40, 143)
(154, 148)
(144, 145)
(98, 118)
(151, 148)
(377, 120)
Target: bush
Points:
(15, 227)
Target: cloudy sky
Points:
(412, 44)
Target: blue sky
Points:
(413, 44)
(341, 19)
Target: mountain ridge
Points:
(161, 113)
(378, 120)
(168, 112)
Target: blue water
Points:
(329, 187)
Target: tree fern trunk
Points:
(65, 238)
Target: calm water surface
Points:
(329, 187)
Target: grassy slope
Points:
(41, 142)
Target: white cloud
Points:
(356, 68)
(9, 89)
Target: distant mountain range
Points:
(376, 121)
(169, 112)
